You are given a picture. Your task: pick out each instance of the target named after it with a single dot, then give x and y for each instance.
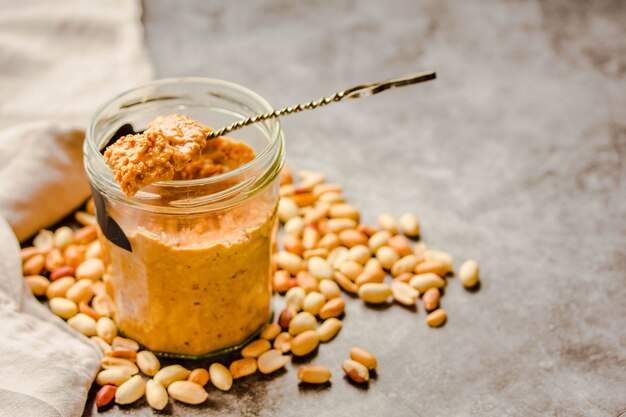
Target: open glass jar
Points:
(188, 261)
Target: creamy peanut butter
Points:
(167, 146)
(192, 284)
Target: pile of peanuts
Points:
(325, 250)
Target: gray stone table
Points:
(515, 156)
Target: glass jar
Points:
(188, 261)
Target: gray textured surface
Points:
(514, 157)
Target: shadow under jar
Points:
(188, 261)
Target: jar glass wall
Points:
(188, 262)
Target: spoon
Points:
(358, 91)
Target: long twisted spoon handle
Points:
(363, 90)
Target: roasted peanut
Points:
(256, 348)
(332, 308)
(303, 321)
(105, 395)
(403, 265)
(468, 273)
(363, 357)
(63, 307)
(374, 293)
(329, 329)
(271, 361)
(387, 256)
(305, 343)
(329, 288)
(243, 367)
(148, 363)
(38, 284)
(437, 318)
(171, 374)
(313, 302)
(422, 282)
(156, 395)
(187, 392)
(200, 376)
(131, 390)
(409, 224)
(356, 371)
(312, 374)
(431, 299)
(270, 331)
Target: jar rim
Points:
(91, 147)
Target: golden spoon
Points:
(363, 90)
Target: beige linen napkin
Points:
(59, 60)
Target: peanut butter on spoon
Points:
(173, 147)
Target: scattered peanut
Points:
(221, 377)
(83, 324)
(105, 395)
(289, 262)
(106, 329)
(388, 223)
(320, 268)
(332, 308)
(403, 265)
(360, 254)
(287, 209)
(187, 392)
(63, 307)
(148, 363)
(312, 374)
(356, 371)
(63, 271)
(378, 240)
(256, 348)
(59, 287)
(387, 256)
(200, 376)
(374, 293)
(440, 256)
(403, 293)
(156, 395)
(303, 321)
(431, 299)
(34, 265)
(409, 224)
(131, 390)
(305, 343)
(436, 318)
(243, 367)
(91, 269)
(38, 284)
(102, 344)
(423, 282)
(401, 245)
(80, 291)
(329, 329)
(432, 266)
(285, 317)
(364, 357)
(124, 343)
(113, 376)
(109, 362)
(270, 331)
(468, 273)
(313, 302)
(329, 288)
(271, 361)
(283, 342)
(171, 374)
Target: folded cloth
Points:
(58, 61)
